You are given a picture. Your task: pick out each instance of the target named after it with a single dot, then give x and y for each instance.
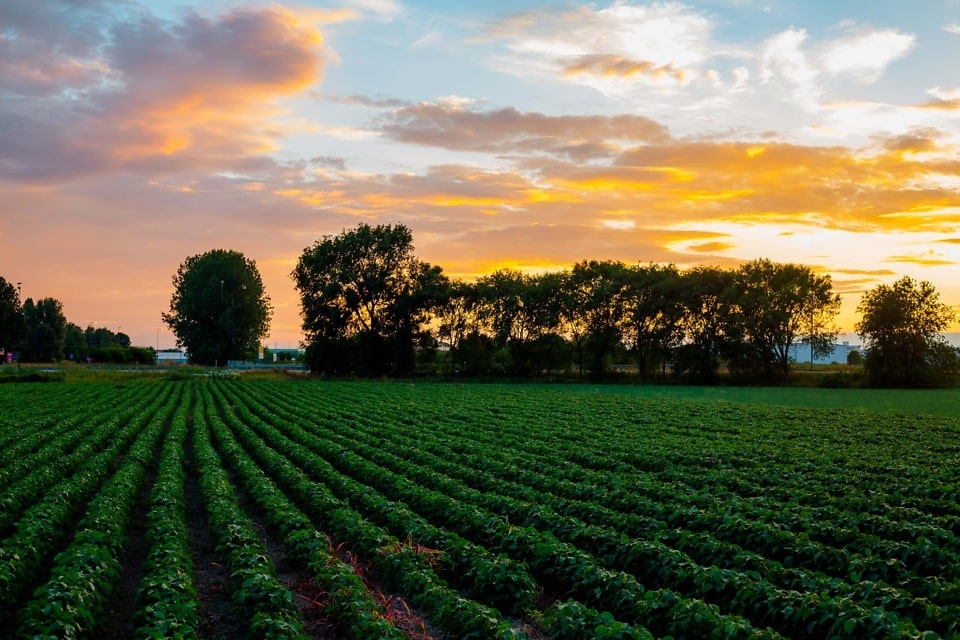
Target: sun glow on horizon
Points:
(516, 136)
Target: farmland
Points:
(224, 508)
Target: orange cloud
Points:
(168, 97)
(609, 65)
(927, 259)
(712, 247)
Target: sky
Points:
(528, 135)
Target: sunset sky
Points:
(504, 133)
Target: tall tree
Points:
(364, 297)
(219, 310)
(46, 330)
(705, 301)
(774, 307)
(653, 313)
(603, 287)
(457, 318)
(573, 293)
(518, 310)
(902, 327)
(13, 326)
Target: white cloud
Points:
(741, 76)
(661, 33)
(945, 93)
(623, 44)
(952, 28)
(782, 57)
(866, 56)
(385, 8)
(427, 39)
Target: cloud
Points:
(915, 141)
(874, 273)
(865, 56)
(386, 9)
(163, 96)
(373, 102)
(609, 65)
(790, 59)
(952, 28)
(782, 57)
(507, 130)
(622, 42)
(943, 99)
(712, 247)
(926, 259)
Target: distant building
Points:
(800, 353)
(283, 355)
(172, 357)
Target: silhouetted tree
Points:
(46, 330)
(364, 298)
(901, 326)
(13, 326)
(219, 310)
(457, 317)
(75, 344)
(705, 301)
(774, 305)
(603, 287)
(653, 311)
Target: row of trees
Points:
(39, 332)
(370, 307)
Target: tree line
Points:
(371, 308)
(38, 331)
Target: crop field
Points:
(231, 508)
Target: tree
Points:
(901, 325)
(99, 338)
(75, 344)
(13, 326)
(777, 304)
(364, 298)
(705, 299)
(653, 313)
(573, 293)
(219, 310)
(518, 310)
(457, 317)
(46, 330)
(603, 289)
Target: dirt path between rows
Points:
(219, 620)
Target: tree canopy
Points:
(46, 330)
(773, 306)
(364, 299)
(13, 327)
(901, 325)
(219, 310)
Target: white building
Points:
(171, 357)
(800, 353)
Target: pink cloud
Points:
(151, 95)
